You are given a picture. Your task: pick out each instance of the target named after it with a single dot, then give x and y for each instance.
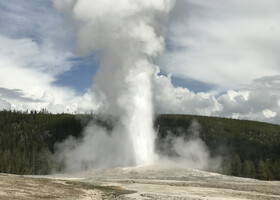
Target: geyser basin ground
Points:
(151, 182)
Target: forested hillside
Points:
(249, 149)
(27, 140)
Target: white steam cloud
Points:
(125, 36)
(187, 150)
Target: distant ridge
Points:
(28, 139)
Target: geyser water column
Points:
(125, 36)
(139, 112)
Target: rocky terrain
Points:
(137, 183)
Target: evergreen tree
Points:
(276, 169)
(262, 171)
(1, 161)
(236, 166)
(249, 170)
(253, 170)
(226, 167)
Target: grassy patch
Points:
(112, 191)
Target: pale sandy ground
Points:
(13, 187)
(138, 183)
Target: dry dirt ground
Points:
(137, 183)
(13, 187)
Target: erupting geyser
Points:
(125, 36)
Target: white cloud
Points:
(31, 68)
(4, 105)
(269, 114)
(34, 52)
(230, 44)
(176, 100)
(227, 43)
(257, 101)
(28, 54)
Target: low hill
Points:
(251, 147)
(248, 148)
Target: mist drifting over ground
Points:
(187, 150)
(125, 37)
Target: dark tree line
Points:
(263, 170)
(249, 149)
(27, 139)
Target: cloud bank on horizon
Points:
(231, 47)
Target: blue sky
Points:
(220, 56)
(80, 77)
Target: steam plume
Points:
(125, 36)
(187, 150)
